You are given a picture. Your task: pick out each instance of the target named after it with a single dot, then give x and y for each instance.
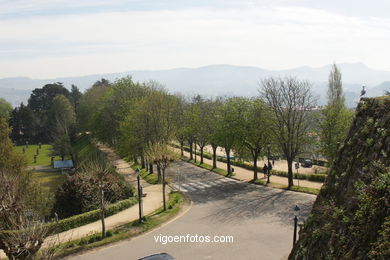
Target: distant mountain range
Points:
(218, 80)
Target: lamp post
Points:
(139, 194)
(296, 213)
(269, 165)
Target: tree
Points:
(162, 155)
(5, 108)
(63, 119)
(115, 104)
(335, 118)
(89, 103)
(290, 101)
(75, 96)
(23, 123)
(22, 203)
(256, 124)
(229, 127)
(81, 192)
(40, 102)
(99, 169)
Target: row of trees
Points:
(136, 117)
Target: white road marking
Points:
(188, 186)
(196, 185)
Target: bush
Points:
(88, 217)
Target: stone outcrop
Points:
(351, 216)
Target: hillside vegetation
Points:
(351, 216)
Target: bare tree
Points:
(290, 101)
(99, 169)
(162, 155)
(23, 231)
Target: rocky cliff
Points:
(351, 216)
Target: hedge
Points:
(88, 217)
(318, 177)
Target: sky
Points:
(58, 38)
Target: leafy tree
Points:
(62, 118)
(229, 128)
(23, 123)
(256, 127)
(336, 117)
(115, 104)
(5, 108)
(75, 96)
(90, 102)
(40, 102)
(290, 101)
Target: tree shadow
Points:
(238, 201)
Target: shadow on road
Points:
(235, 201)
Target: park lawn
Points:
(44, 157)
(50, 181)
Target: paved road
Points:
(258, 218)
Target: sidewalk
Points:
(246, 175)
(151, 202)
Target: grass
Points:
(83, 147)
(150, 178)
(132, 229)
(44, 157)
(50, 181)
(284, 187)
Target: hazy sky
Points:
(53, 38)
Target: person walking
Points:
(265, 170)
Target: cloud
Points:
(274, 37)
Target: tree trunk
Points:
(150, 167)
(255, 170)
(181, 148)
(142, 162)
(158, 174)
(201, 154)
(191, 153)
(147, 166)
(163, 189)
(195, 151)
(290, 173)
(229, 168)
(214, 156)
(102, 213)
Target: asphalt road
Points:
(259, 219)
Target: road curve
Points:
(259, 219)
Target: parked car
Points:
(159, 256)
(307, 163)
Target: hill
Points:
(216, 80)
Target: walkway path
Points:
(247, 175)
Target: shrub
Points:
(88, 217)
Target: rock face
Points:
(351, 216)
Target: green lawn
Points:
(44, 157)
(50, 181)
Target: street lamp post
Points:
(269, 165)
(296, 212)
(139, 194)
